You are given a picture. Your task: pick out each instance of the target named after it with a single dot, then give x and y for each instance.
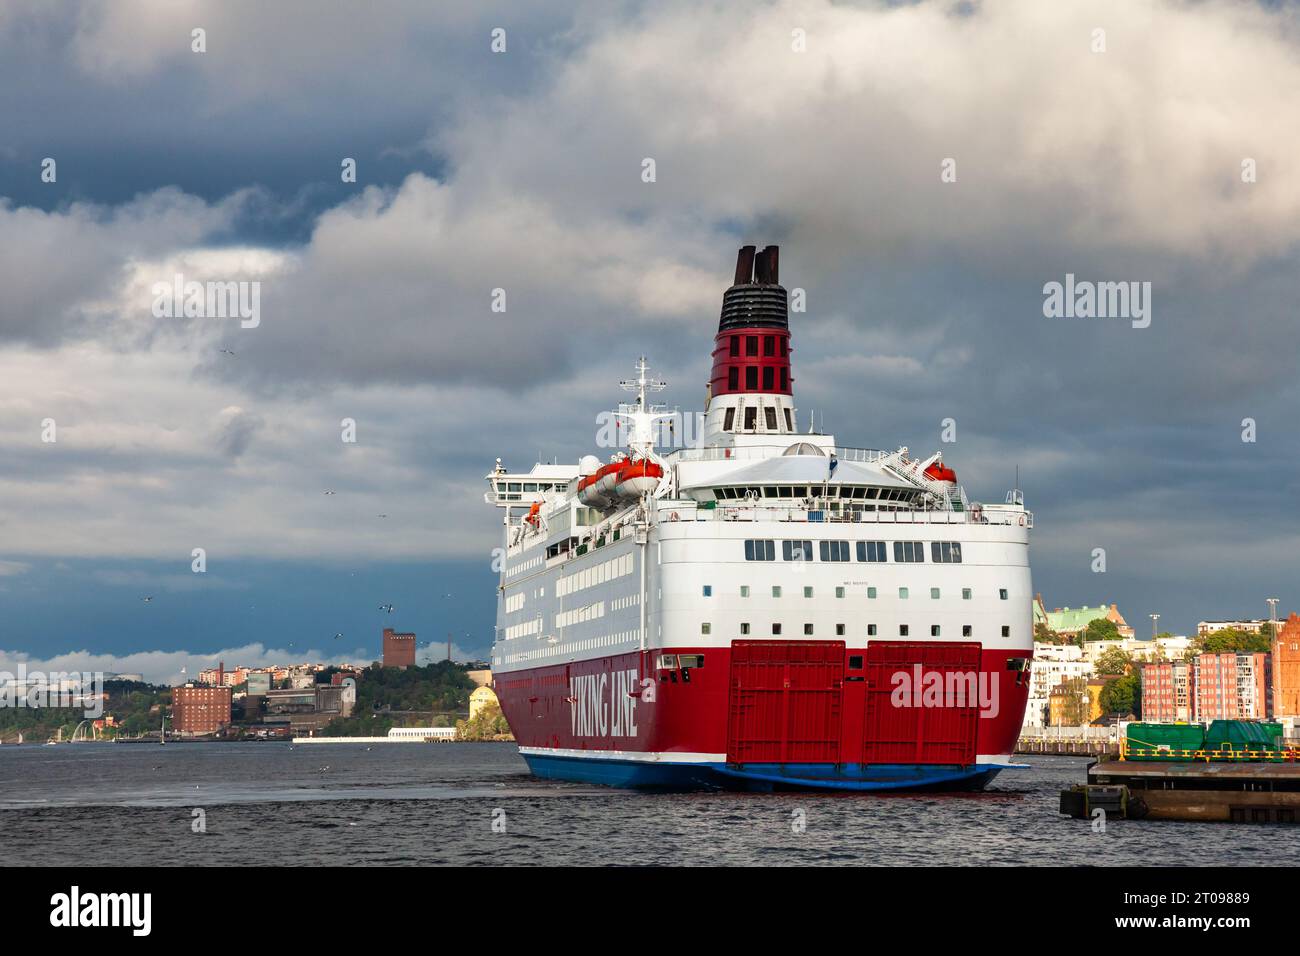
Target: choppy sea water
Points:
(429, 804)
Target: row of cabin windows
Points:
(751, 419)
(527, 486)
(772, 344)
(770, 374)
(903, 593)
(830, 490)
(905, 552)
(903, 629)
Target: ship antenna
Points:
(642, 416)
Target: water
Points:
(428, 804)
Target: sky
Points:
(927, 169)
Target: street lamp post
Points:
(1154, 618)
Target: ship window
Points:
(934, 630)
(760, 550)
(807, 629)
(934, 593)
(769, 345)
(705, 627)
(902, 630)
(839, 630)
(769, 383)
(769, 491)
(1002, 593)
(744, 628)
(872, 493)
(945, 552)
(909, 552)
(871, 630)
(730, 418)
(1006, 630)
(744, 590)
(733, 378)
(735, 345)
(691, 660)
(789, 424)
(781, 340)
(871, 592)
(751, 344)
(787, 491)
(807, 592)
(751, 416)
(834, 550)
(776, 590)
(965, 630)
(871, 551)
(855, 662)
(776, 629)
(902, 593)
(514, 486)
(797, 550)
(770, 415)
(708, 590)
(839, 592)
(965, 594)
(751, 379)
(785, 381)
(530, 486)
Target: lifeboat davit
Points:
(637, 478)
(941, 472)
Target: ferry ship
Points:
(762, 608)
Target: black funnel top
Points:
(757, 300)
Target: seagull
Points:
(228, 352)
(383, 516)
(386, 607)
(147, 599)
(330, 492)
(337, 636)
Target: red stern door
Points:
(785, 702)
(907, 728)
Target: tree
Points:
(1113, 660)
(1227, 641)
(1123, 695)
(1074, 701)
(1045, 635)
(1101, 629)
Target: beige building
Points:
(482, 697)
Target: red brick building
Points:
(200, 710)
(1286, 668)
(399, 649)
(1167, 692)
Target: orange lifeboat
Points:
(941, 472)
(588, 493)
(636, 478)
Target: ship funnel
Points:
(744, 265)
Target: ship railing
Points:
(748, 452)
(820, 516)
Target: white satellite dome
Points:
(588, 465)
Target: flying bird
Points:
(386, 607)
(337, 636)
(228, 352)
(383, 516)
(147, 599)
(329, 492)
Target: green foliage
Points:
(131, 703)
(1074, 704)
(1122, 695)
(390, 697)
(1113, 660)
(1045, 635)
(488, 724)
(1101, 629)
(1229, 640)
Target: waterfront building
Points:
(1232, 686)
(1286, 669)
(399, 649)
(1249, 626)
(482, 697)
(1053, 664)
(1167, 695)
(1139, 649)
(200, 710)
